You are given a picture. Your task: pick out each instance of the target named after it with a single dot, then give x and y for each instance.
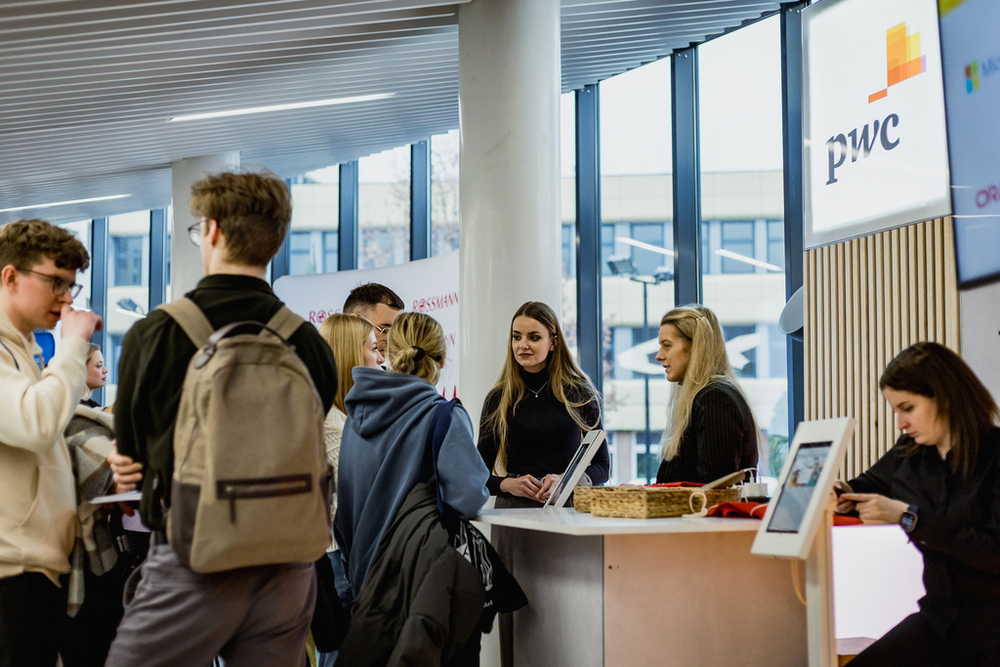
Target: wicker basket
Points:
(582, 496)
(639, 502)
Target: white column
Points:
(185, 259)
(509, 85)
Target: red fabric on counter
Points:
(739, 510)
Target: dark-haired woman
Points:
(532, 424)
(941, 483)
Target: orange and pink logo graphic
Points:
(903, 59)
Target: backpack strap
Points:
(440, 424)
(190, 318)
(284, 323)
(17, 366)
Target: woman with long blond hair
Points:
(353, 343)
(711, 429)
(535, 416)
(532, 423)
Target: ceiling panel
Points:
(89, 88)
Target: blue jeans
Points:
(343, 592)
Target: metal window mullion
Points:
(791, 111)
(347, 228)
(686, 176)
(99, 287)
(157, 258)
(420, 200)
(588, 234)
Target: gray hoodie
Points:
(381, 460)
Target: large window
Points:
(315, 217)
(384, 208)
(637, 262)
(128, 286)
(444, 193)
(743, 209)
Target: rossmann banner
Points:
(875, 147)
(427, 286)
(971, 55)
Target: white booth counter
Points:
(649, 592)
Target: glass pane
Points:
(315, 216)
(444, 193)
(743, 208)
(128, 286)
(83, 230)
(637, 262)
(384, 208)
(567, 140)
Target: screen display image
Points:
(799, 486)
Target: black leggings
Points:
(913, 643)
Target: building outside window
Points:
(384, 208)
(315, 219)
(444, 193)
(743, 209)
(636, 226)
(128, 286)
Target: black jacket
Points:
(154, 360)
(720, 438)
(957, 532)
(421, 600)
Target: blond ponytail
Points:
(417, 346)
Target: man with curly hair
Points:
(38, 266)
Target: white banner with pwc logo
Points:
(428, 286)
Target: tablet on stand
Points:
(563, 491)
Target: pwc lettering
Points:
(836, 147)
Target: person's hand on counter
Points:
(843, 506)
(548, 483)
(524, 486)
(873, 508)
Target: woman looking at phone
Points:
(941, 483)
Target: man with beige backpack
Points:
(221, 399)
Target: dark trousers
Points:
(33, 622)
(913, 643)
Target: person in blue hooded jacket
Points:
(382, 449)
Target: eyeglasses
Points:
(383, 332)
(59, 286)
(194, 232)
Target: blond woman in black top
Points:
(711, 430)
(941, 483)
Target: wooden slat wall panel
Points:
(865, 301)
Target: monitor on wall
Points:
(875, 149)
(971, 57)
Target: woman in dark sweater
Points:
(534, 418)
(941, 482)
(711, 431)
(532, 424)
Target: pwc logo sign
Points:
(903, 61)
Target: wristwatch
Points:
(909, 519)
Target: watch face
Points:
(908, 521)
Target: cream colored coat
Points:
(37, 492)
(333, 430)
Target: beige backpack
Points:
(251, 485)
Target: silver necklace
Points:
(536, 393)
